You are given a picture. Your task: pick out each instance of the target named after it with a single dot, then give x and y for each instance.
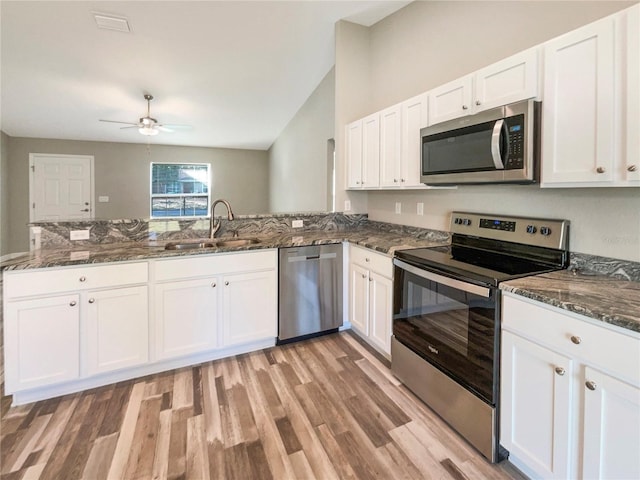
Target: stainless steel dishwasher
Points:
(310, 286)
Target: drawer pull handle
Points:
(92, 300)
(560, 371)
(213, 285)
(72, 303)
(590, 385)
(576, 340)
(83, 279)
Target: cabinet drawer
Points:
(371, 260)
(54, 280)
(207, 265)
(595, 345)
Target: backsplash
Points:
(610, 267)
(57, 234)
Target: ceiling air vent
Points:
(111, 22)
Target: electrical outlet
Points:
(398, 208)
(347, 205)
(297, 224)
(420, 208)
(79, 235)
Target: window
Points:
(179, 189)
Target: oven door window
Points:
(453, 329)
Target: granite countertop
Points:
(604, 298)
(381, 241)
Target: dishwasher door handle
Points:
(322, 256)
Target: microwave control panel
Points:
(516, 129)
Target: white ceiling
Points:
(236, 71)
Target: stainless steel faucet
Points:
(213, 225)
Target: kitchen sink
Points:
(197, 244)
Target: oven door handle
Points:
(450, 282)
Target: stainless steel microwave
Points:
(500, 145)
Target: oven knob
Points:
(466, 221)
(546, 231)
(531, 229)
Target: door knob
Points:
(84, 210)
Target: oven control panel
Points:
(550, 233)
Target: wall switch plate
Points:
(398, 208)
(347, 205)
(420, 208)
(103, 198)
(297, 224)
(79, 235)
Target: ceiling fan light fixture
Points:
(149, 131)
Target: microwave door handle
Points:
(495, 145)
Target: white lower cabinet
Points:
(249, 311)
(117, 328)
(371, 296)
(570, 394)
(41, 341)
(187, 317)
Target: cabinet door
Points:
(611, 427)
(535, 406)
(380, 311)
(42, 342)
(451, 100)
(186, 317)
(579, 106)
(414, 118)
(390, 147)
(510, 80)
(354, 154)
(249, 307)
(359, 298)
(371, 151)
(631, 167)
(117, 328)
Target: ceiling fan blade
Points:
(131, 126)
(162, 128)
(116, 121)
(176, 126)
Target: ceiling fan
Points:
(148, 125)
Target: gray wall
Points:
(298, 167)
(429, 43)
(122, 173)
(4, 194)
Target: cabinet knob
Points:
(92, 300)
(590, 385)
(631, 168)
(464, 107)
(83, 279)
(478, 102)
(560, 371)
(600, 170)
(395, 180)
(371, 279)
(357, 183)
(576, 340)
(72, 303)
(364, 276)
(226, 283)
(213, 285)
(402, 180)
(366, 260)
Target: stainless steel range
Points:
(446, 315)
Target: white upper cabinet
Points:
(363, 153)
(591, 105)
(391, 147)
(414, 117)
(510, 80)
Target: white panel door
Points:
(579, 106)
(371, 151)
(42, 342)
(359, 298)
(380, 311)
(61, 187)
(631, 168)
(249, 309)
(117, 328)
(535, 413)
(187, 317)
(451, 100)
(354, 154)
(611, 446)
(414, 118)
(390, 147)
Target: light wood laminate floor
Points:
(325, 408)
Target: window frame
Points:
(179, 195)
